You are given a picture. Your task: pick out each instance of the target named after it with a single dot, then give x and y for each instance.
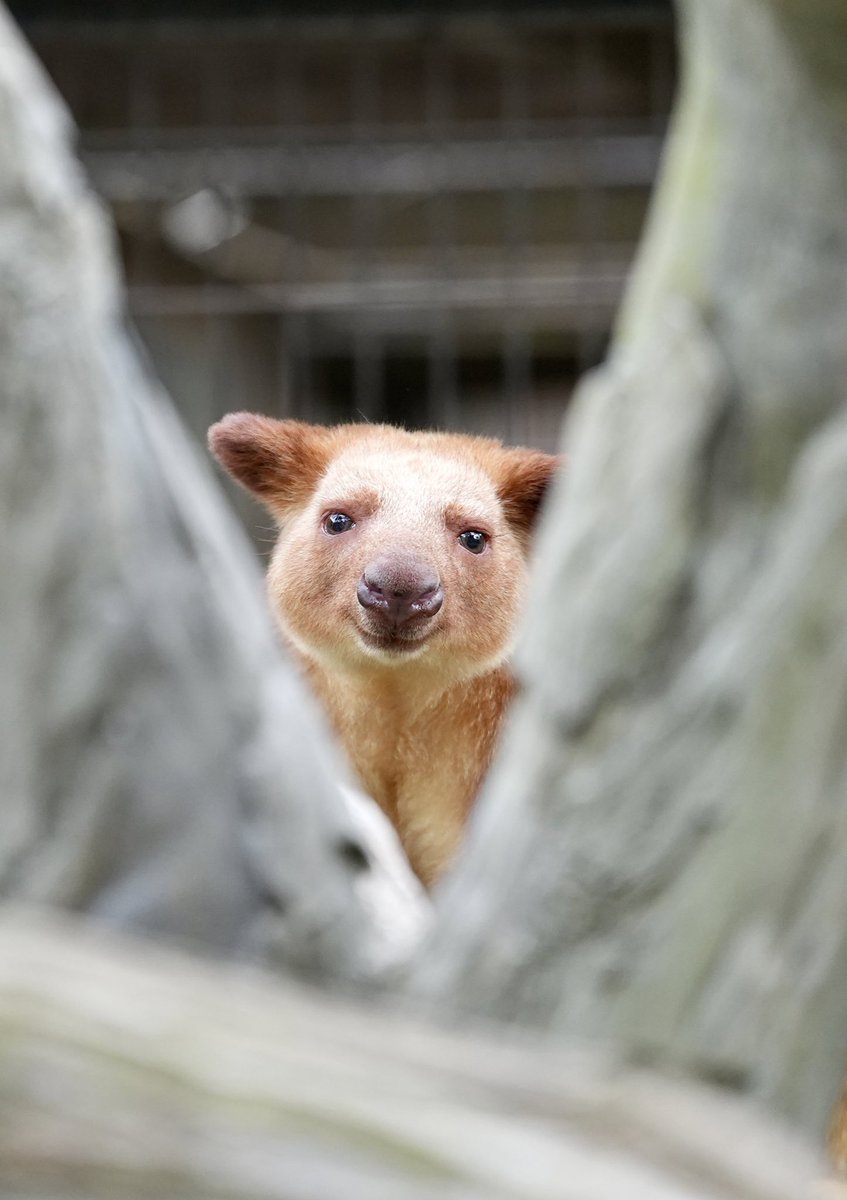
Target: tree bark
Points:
(131, 1072)
(661, 856)
(162, 767)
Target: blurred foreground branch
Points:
(131, 1072)
(162, 766)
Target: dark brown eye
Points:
(338, 522)
(473, 540)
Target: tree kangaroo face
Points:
(400, 555)
(394, 547)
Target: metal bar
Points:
(442, 369)
(388, 169)
(517, 343)
(267, 135)
(294, 349)
(554, 291)
(368, 372)
(302, 351)
(368, 369)
(661, 78)
(590, 199)
(517, 368)
(627, 14)
(442, 350)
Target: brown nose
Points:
(396, 589)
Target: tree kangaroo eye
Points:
(338, 522)
(473, 540)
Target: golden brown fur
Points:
(419, 711)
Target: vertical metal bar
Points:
(294, 348)
(661, 73)
(368, 369)
(590, 208)
(216, 403)
(218, 326)
(143, 113)
(216, 83)
(285, 403)
(301, 343)
(443, 407)
(368, 366)
(143, 109)
(517, 336)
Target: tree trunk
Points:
(661, 855)
(162, 768)
(130, 1072)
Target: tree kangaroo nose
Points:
(397, 589)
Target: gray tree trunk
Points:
(661, 856)
(160, 766)
(192, 1081)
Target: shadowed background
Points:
(420, 213)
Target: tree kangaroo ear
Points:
(523, 479)
(280, 462)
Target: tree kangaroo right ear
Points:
(280, 462)
(523, 480)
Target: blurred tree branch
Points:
(130, 1072)
(163, 767)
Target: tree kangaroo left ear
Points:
(524, 478)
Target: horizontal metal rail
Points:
(120, 28)
(160, 173)
(582, 289)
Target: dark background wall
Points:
(414, 212)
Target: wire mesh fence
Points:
(423, 218)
